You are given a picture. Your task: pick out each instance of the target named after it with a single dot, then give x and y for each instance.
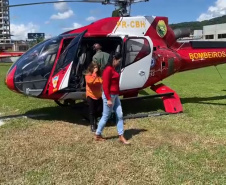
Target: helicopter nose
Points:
(9, 81)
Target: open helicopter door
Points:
(136, 62)
(61, 76)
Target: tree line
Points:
(196, 25)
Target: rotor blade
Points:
(52, 2)
(138, 1)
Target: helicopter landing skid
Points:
(171, 103)
(144, 115)
(70, 103)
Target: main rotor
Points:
(122, 7)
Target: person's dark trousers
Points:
(95, 111)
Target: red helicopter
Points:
(54, 69)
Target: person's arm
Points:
(107, 82)
(90, 79)
(104, 60)
(95, 58)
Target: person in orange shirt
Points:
(94, 93)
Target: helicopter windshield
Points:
(34, 67)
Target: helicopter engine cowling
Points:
(182, 32)
(172, 35)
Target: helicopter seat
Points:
(118, 48)
(86, 63)
(80, 68)
(130, 55)
(76, 71)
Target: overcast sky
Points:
(53, 19)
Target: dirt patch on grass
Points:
(1, 123)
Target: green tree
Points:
(198, 25)
(36, 41)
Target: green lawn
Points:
(187, 148)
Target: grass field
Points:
(187, 148)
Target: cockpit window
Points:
(34, 67)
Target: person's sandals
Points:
(123, 140)
(99, 138)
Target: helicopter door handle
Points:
(141, 73)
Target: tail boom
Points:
(202, 56)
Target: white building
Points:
(5, 36)
(4, 22)
(215, 32)
(198, 34)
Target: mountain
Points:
(196, 25)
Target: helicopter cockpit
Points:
(48, 59)
(34, 67)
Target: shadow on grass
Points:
(201, 100)
(79, 115)
(142, 106)
(128, 134)
(132, 132)
(71, 115)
